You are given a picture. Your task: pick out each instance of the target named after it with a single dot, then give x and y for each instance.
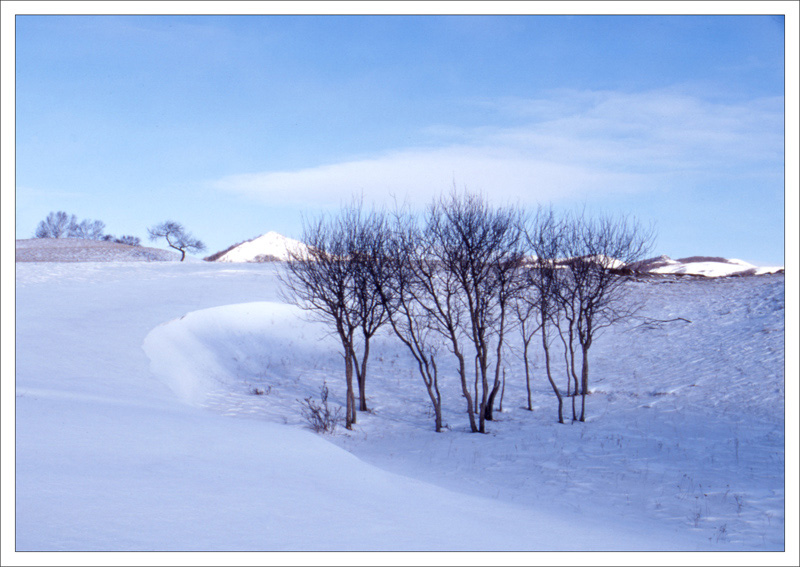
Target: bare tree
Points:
(370, 263)
(335, 280)
(401, 290)
(436, 303)
(526, 312)
(56, 225)
(319, 280)
(62, 225)
(565, 316)
(594, 285)
(484, 255)
(465, 281)
(87, 229)
(506, 285)
(542, 277)
(177, 237)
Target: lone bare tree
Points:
(176, 236)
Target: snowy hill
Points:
(170, 421)
(711, 267)
(267, 247)
(82, 250)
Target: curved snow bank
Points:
(208, 355)
(309, 494)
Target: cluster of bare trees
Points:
(453, 282)
(61, 225)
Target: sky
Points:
(238, 125)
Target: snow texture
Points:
(157, 409)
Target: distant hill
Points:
(269, 247)
(82, 250)
(707, 266)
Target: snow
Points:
(137, 428)
(712, 269)
(269, 244)
(607, 262)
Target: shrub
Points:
(129, 240)
(320, 417)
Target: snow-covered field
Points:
(137, 426)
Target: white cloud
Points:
(571, 146)
(417, 174)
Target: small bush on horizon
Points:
(126, 239)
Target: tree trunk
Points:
(484, 395)
(584, 381)
(490, 403)
(502, 392)
(477, 392)
(350, 414)
(527, 375)
(436, 397)
(572, 371)
(497, 384)
(465, 390)
(566, 364)
(362, 379)
(550, 376)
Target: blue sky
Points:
(238, 125)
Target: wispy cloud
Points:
(572, 145)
